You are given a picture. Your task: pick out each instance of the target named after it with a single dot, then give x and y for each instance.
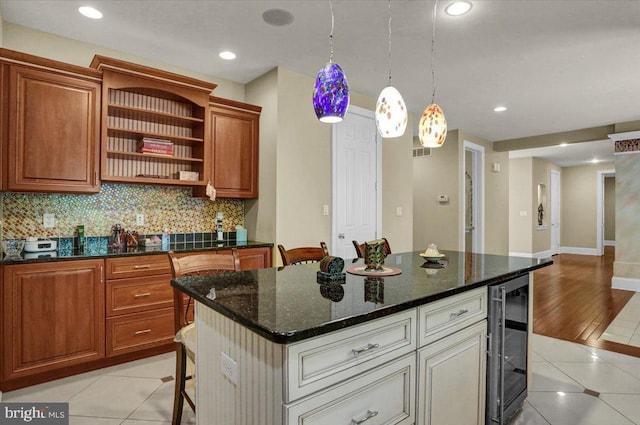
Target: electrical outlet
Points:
(139, 219)
(229, 368)
(325, 209)
(399, 211)
(48, 220)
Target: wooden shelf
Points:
(140, 114)
(112, 153)
(149, 180)
(136, 134)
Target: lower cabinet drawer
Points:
(382, 396)
(447, 316)
(317, 363)
(137, 331)
(138, 294)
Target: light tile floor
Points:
(625, 328)
(134, 394)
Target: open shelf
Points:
(113, 153)
(138, 135)
(141, 114)
(150, 180)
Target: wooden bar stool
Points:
(303, 255)
(191, 264)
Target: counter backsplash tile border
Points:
(163, 206)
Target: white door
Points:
(356, 188)
(555, 212)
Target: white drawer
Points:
(444, 317)
(386, 395)
(314, 364)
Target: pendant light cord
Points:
(331, 34)
(389, 42)
(433, 44)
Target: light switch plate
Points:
(325, 210)
(139, 219)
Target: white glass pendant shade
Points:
(433, 127)
(391, 113)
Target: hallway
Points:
(573, 300)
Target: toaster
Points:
(40, 245)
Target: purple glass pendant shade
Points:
(331, 94)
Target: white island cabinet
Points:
(372, 373)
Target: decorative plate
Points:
(386, 271)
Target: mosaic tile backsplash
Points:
(162, 206)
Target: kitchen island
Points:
(276, 347)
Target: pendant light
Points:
(432, 130)
(331, 92)
(391, 111)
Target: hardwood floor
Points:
(573, 300)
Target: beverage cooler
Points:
(507, 349)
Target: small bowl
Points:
(431, 258)
(12, 247)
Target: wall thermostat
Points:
(443, 199)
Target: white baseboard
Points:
(521, 254)
(625, 283)
(609, 243)
(579, 251)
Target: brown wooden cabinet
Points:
(51, 112)
(139, 301)
(139, 103)
(235, 148)
(52, 316)
(255, 258)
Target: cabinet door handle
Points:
(142, 332)
(146, 294)
(369, 346)
(367, 416)
(458, 314)
(142, 266)
(101, 274)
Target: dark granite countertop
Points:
(287, 304)
(104, 252)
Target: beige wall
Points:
(1, 28)
(438, 174)
(496, 196)
(295, 168)
(578, 205)
(47, 45)
(609, 208)
(520, 206)
(260, 214)
(541, 174)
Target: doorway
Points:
(555, 212)
(356, 151)
(600, 212)
(472, 234)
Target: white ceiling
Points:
(572, 154)
(557, 65)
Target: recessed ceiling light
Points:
(90, 12)
(458, 8)
(595, 160)
(563, 144)
(561, 393)
(500, 108)
(227, 55)
(277, 17)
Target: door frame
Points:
(356, 110)
(600, 208)
(477, 194)
(555, 201)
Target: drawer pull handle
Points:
(368, 416)
(146, 331)
(142, 266)
(146, 294)
(458, 314)
(369, 346)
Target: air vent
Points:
(421, 152)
